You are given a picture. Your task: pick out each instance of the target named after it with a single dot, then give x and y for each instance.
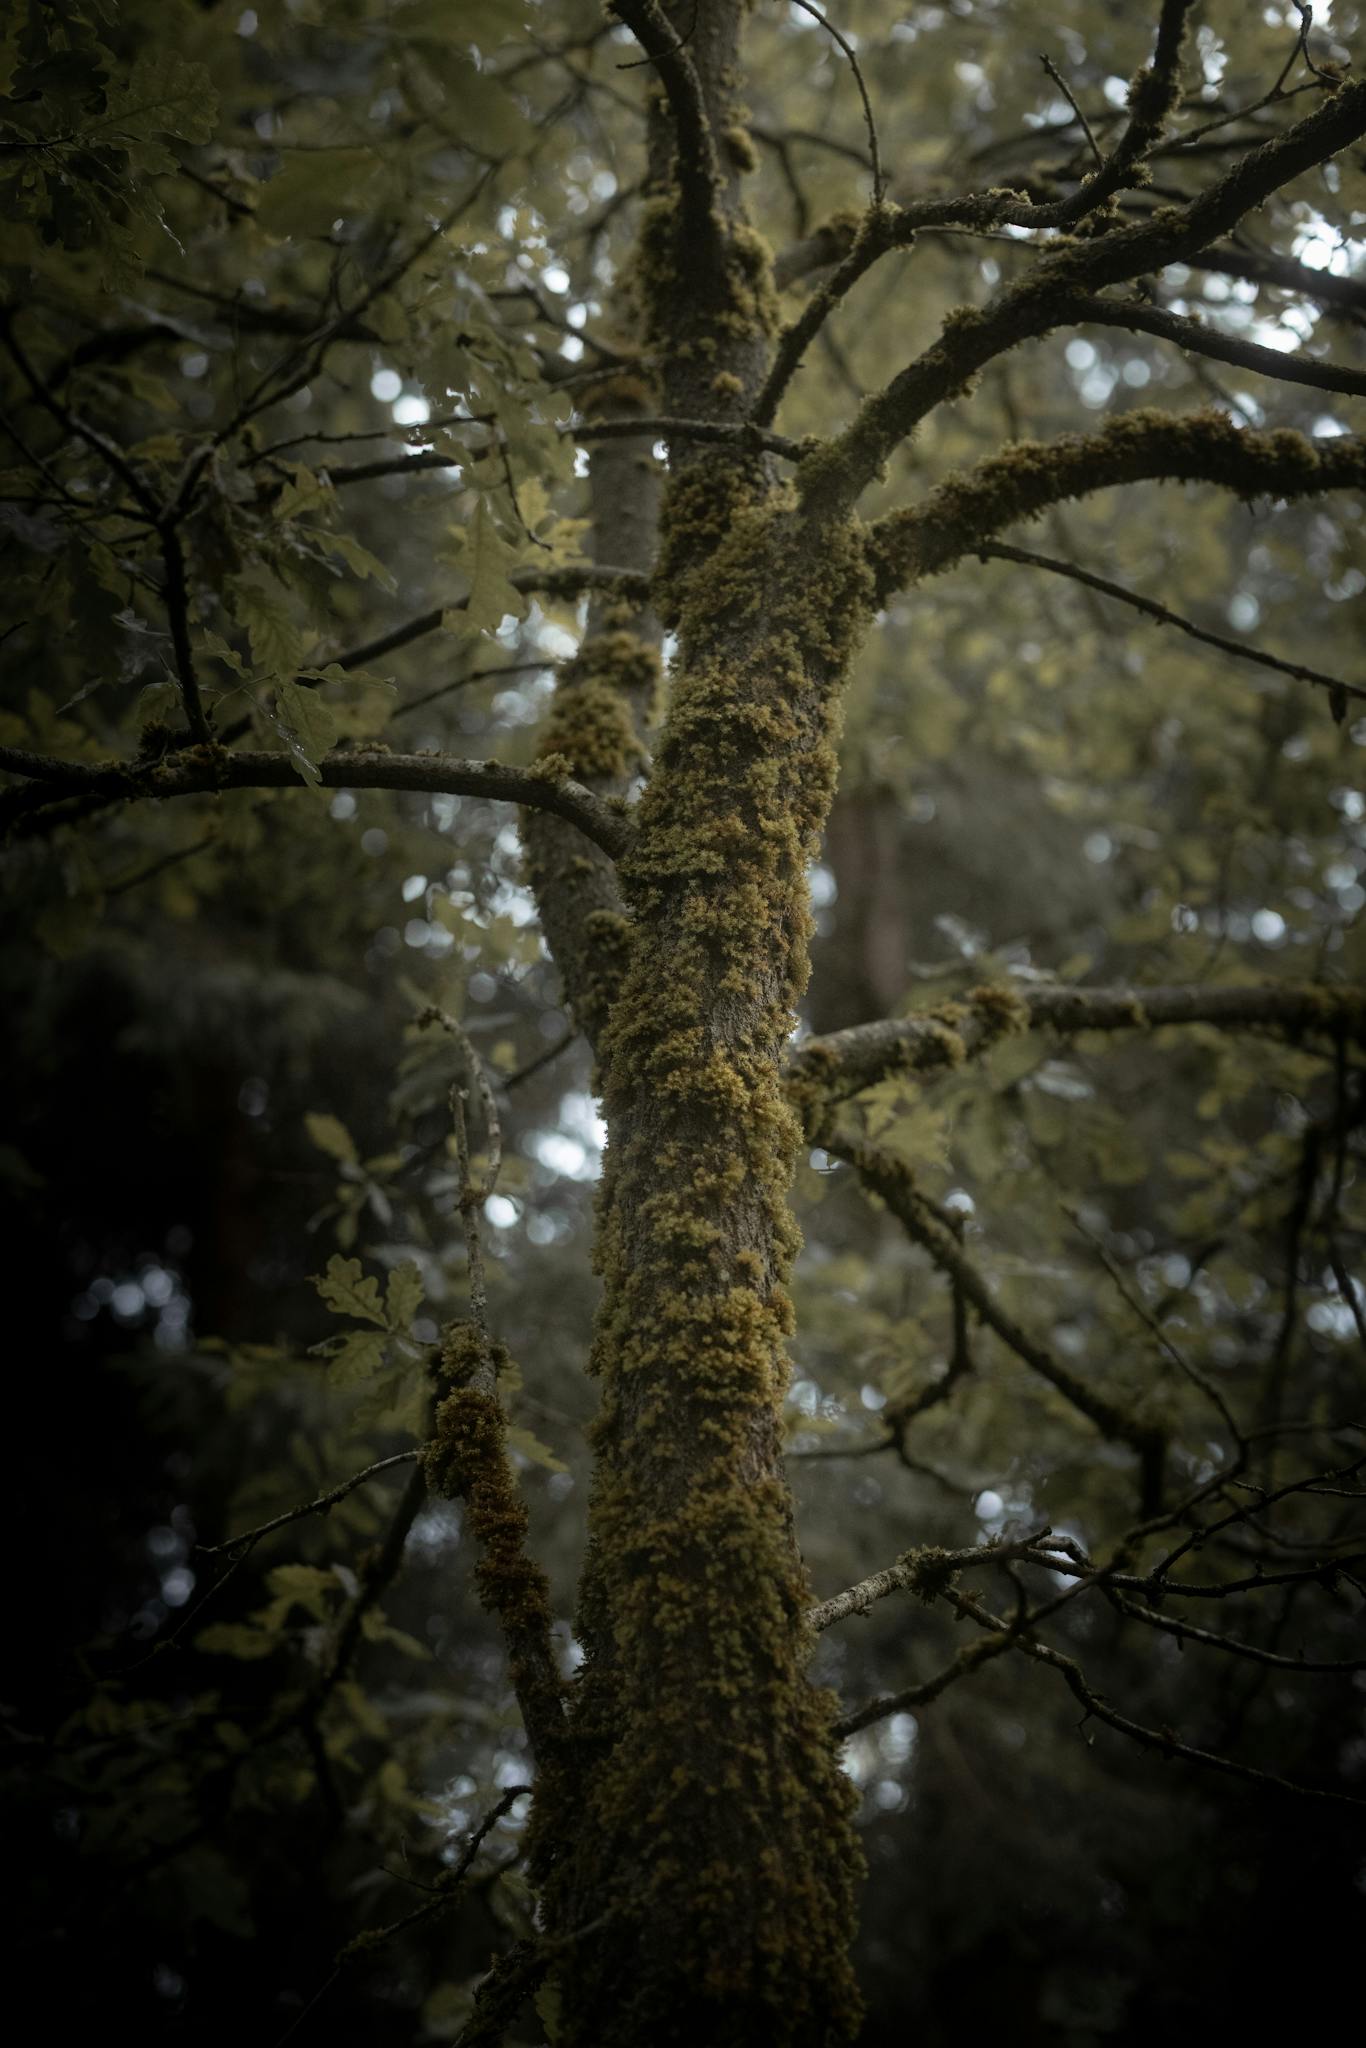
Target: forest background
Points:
(359, 272)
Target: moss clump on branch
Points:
(740, 147)
(999, 1010)
(929, 1573)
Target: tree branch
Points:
(178, 616)
(831, 1069)
(843, 43)
(996, 551)
(744, 432)
(1141, 318)
(569, 581)
(888, 1179)
(1142, 446)
(923, 1572)
(837, 477)
(210, 769)
(698, 174)
(1340, 297)
(1186, 1631)
(238, 1546)
(1148, 1738)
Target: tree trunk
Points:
(697, 1852)
(711, 1823)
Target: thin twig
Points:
(1065, 89)
(373, 1938)
(237, 1547)
(847, 47)
(1140, 1308)
(999, 551)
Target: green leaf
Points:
(159, 702)
(357, 1358)
(395, 1401)
(307, 726)
(164, 95)
(486, 559)
(276, 642)
(359, 559)
(349, 1291)
(236, 1639)
(532, 1448)
(330, 1135)
(315, 187)
(305, 492)
(550, 2009)
(298, 1585)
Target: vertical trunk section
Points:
(711, 1825)
(697, 1857)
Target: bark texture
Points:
(705, 1833)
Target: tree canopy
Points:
(521, 522)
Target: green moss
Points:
(999, 1011)
(739, 145)
(928, 1573)
(605, 700)
(712, 1755)
(466, 1459)
(689, 311)
(1028, 476)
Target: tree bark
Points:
(704, 1835)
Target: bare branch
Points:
(743, 432)
(1164, 1743)
(923, 1572)
(888, 1179)
(238, 1546)
(746, 432)
(998, 551)
(970, 1658)
(370, 1939)
(1065, 89)
(1172, 1351)
(1187, 1632)
(178, 615)
(1142, 318)
(567, 581)
(1155, 1587)
(71, 423)
(1343, 298)
(881, 229)
(847, 47)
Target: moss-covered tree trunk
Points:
(702, 1832)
